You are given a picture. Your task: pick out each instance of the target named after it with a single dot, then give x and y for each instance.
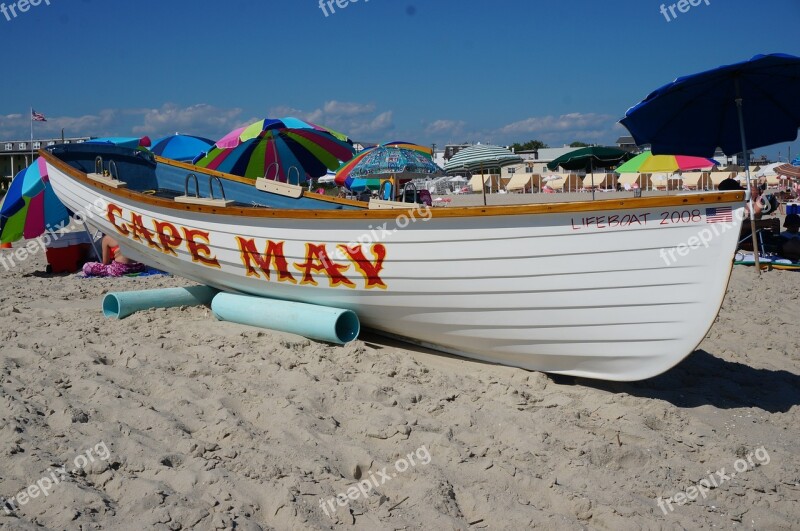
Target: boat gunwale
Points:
(436, 212)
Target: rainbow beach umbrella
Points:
(646, 162)
(286, 149)
(30, 207)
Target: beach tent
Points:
(491, 181)
(658, 181)
(719, 176)
(602, 181)
(691, 180)
(571, 183)
(554, 181)
(704, 183)
(626, 180)
(524, 181)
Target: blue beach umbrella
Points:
(736, 107)
(181, 147)
(122, 141)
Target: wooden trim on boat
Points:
(246, 180)
(365, 213)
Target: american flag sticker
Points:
(719, 215)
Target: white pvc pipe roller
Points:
(322, 323)
(122, 304)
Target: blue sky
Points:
(428, 71)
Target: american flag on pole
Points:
(37, 116)
(719, 215)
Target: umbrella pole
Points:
(747, 174)
(97, 253)
(483, 185)
(591, 168)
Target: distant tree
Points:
(529, 145)
(577, 144)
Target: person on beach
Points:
(757, 206)
(114, 263)
(729, 184)
(790, 238)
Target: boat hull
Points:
(615, 290)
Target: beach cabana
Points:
(691, 180)
(571, 183)
(627, 180)
(704, 183)
(554, 181)
(600, 181)
(525, 182)
(719, 176)
(658, 181)
(491, 181)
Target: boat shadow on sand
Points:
(704, 379)
(699, 380)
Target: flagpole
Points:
(30, 117)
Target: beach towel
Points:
(773, 261)
(148, 271)
(114, 269)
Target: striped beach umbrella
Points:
(284, 149)
(788, 169)
(481, 157)
(646, 162)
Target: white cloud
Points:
(197, 119)
(201, 119)
(446, 127)
(572, 122)
(359, 121)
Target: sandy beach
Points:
(170, 419)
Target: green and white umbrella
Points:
(481, 157)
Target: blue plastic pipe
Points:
(122, 304)
(322, 323)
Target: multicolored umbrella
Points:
(646, 162)
(30, 207)
(398, 160)
(181, 147)
(281, 150)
